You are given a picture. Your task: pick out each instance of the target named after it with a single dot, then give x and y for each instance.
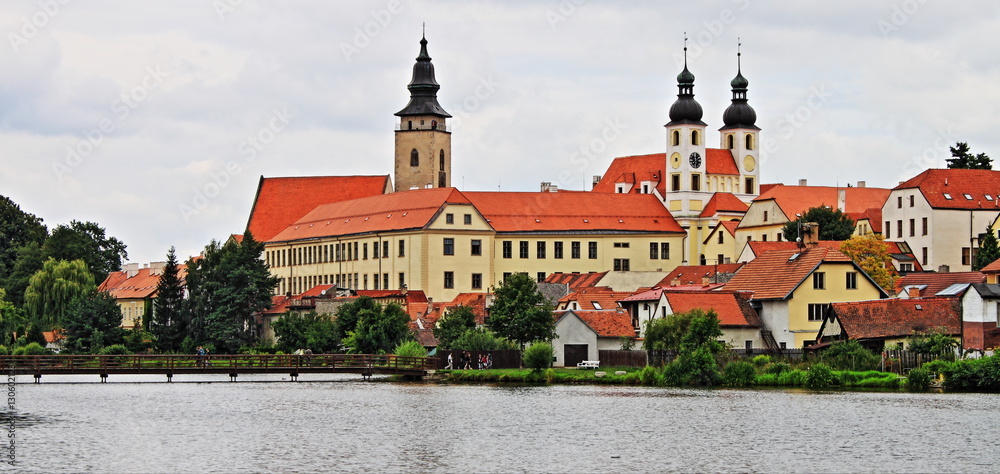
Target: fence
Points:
(900, 361)
(785, 354)
(503, 359)
(618, 358)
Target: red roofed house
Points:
(925, 285)
(697, 274)
(134, 288)
(880, 323)
(590, 299)
(992, 271)
(903, 260)
(581, 334)
(940, 214)
(793, 288)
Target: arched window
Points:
(441, 160)
(749, 139)
(730, 142)
(675, 138)
(414, 157)
(694, 137)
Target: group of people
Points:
(466, 361)
(202, 354)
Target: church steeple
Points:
(423, 88)
(739, 114)
(685, 110)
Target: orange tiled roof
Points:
(693, 274)
(281, 201)
(936, 282)
(892, 317)
(609, 323)
(775, 274)
(935, 183)
(992, 267)
(554, 212)
(141, 285)
(412, 209)
(727, 226)
(798, 199)
(723, 202)
(279, 305)
(720, 162)
(576, 281)
(625, 170)
(874, 216)
(602, 295)
(733, 308)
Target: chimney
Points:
(944, 269)
(676, 281)
(706, 280)
(548, 187)
(803, 182)
(842, 200)
(156, 268)
(810, 235)
(913, 292)
(596, 180)
(862, 184)
(131, 269)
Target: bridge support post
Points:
(294, 376)
(38, 378)
(170, 378)
(232, 377)
(104, 378)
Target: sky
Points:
(157, 119)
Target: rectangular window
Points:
(899, 228)
(923, 223)
(720, 259)
(913, 227)
(696, 182)
(574, 249)
(467, 219)
(621, 245)
(376, 281)
(449, 246)
(449, 218)
(477, 247)
(816, 311)
(911, 200)
(385, 249)
(366, 282)
(540, 249)
(449, 279)
(592, 250)
(923, 256)
(763, 238)
(506, 276)
(675, 182)
(507, 249)
(523, 247)
(966, 256)
(540, 276)
(664, 250)
(385, 281)
(852, 280)
(356, 251)
(888, 229)
(364, 248)
(375, 250)
(721, 235)
(402, 248)
(654, 250)
(477, 281)
(765, 216)
(819, 280)
(557, 249)
(899, 202)
(621, 265)
(748, 186)
(402, 280)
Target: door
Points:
(574, 354)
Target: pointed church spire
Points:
(739, 114)
(685, 109)
(423, 87)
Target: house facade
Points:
(581, 334)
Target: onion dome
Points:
(685, 110)
(423, 88)
(739, 114)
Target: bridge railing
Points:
(186, 363)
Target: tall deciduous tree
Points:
(92, 323)
(11, 320)
(520, 313)
(989, 250)
(871, 253)
(379, 331)
(963, 159)
(29, 261)
(52, 291)
(833, 224)
(312, 331)
(453, 325)
(86, 241)
(169, 323)
(17, 229)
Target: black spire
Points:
(423, 88)
(685, 109)
(739, 114)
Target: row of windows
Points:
(657, 250)
(475, 280)
(899, 228)
(450, 219)
(327, 253)
(675, 183)
(850, 283)
(296, 285)
(475, 246)
(415, 158)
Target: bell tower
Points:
(423, 141)
(740, 134)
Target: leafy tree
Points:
(963, 159)
(453, 325)
(139, 340)
(11, 320)
(693, 335)
(86, 241)
(379, 331)
(52, 291)
(348, 314)
(313, 331)
(989, 249)
(871, 253)
(29, 261)
(538, 356)
(92, 323)
(481, 339)
(935, 343)
(17, 229)
(520, 313)
(833, 224)
(169, 323)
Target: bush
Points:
(777, 368)
(20, 351)
(820, 376)
(982, 375)
(650, 375)
(117, 349)
(740, 374)
(761, 360)
(4, 350)
(849, 355)
(538, 356)
(919, 380)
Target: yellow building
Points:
(133, 289)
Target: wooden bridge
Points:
(232, 365)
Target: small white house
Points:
(581, 334)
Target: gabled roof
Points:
(720, 162)
(412, 209)
(723, 202)
(798, 199)
(934, 184)
(634, 170)
(874, 216)
(693, 274)
(601, 295)
(555, 212)
(733, 308)
(992, 267)
(931, 283)
(888, 318)
(611, 323)
(897, 250)
(576, 281)
(281, 201)
(279, 305)
(139, 286)
(991, 291)
(317, 291)
(723, 226)
(776, 274)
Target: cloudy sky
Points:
(157, 119)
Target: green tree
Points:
(989, 250)
(29, 261)
(520, 313)
(693, 336)
(11, 320)
(379, 331)
(52, 291)
(481, 339)
(86, 241)
(963, 159)
(456, 322)
(833, 224)
(349, 314)
(169, 323)
(934, 343)
(871, 253)
(17, 229)
(538, 356)
(849, 355)
(313, 331)
(92, 323)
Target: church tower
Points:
(685, 137)
(423, 142)
(740, 135)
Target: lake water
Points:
(341, 423)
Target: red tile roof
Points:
(316, 291)
(281, 201)
(723, 202)
(279, 305)
(775, 274)
(412, 209)
(898, 317)
(720, 162)
(936, 282)
(633, 170)
(545, 212)
(992, 267)
(798, 199)
(693, 274)
(141, 285)
(576, 281)
(733, 308)
(874, 216)
(586, 297)
(610, 323)
(935, 183)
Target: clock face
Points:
(695, 160)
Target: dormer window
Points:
(988, 197)
(947, 196)
(968, 196)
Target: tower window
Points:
(675, 138)
(694, 137)
(414, 157)
(749, 140)
(409, 124)
(748, 183)
(696, 182)
(730, 142)
(441, 160)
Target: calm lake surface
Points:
(334, 423)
